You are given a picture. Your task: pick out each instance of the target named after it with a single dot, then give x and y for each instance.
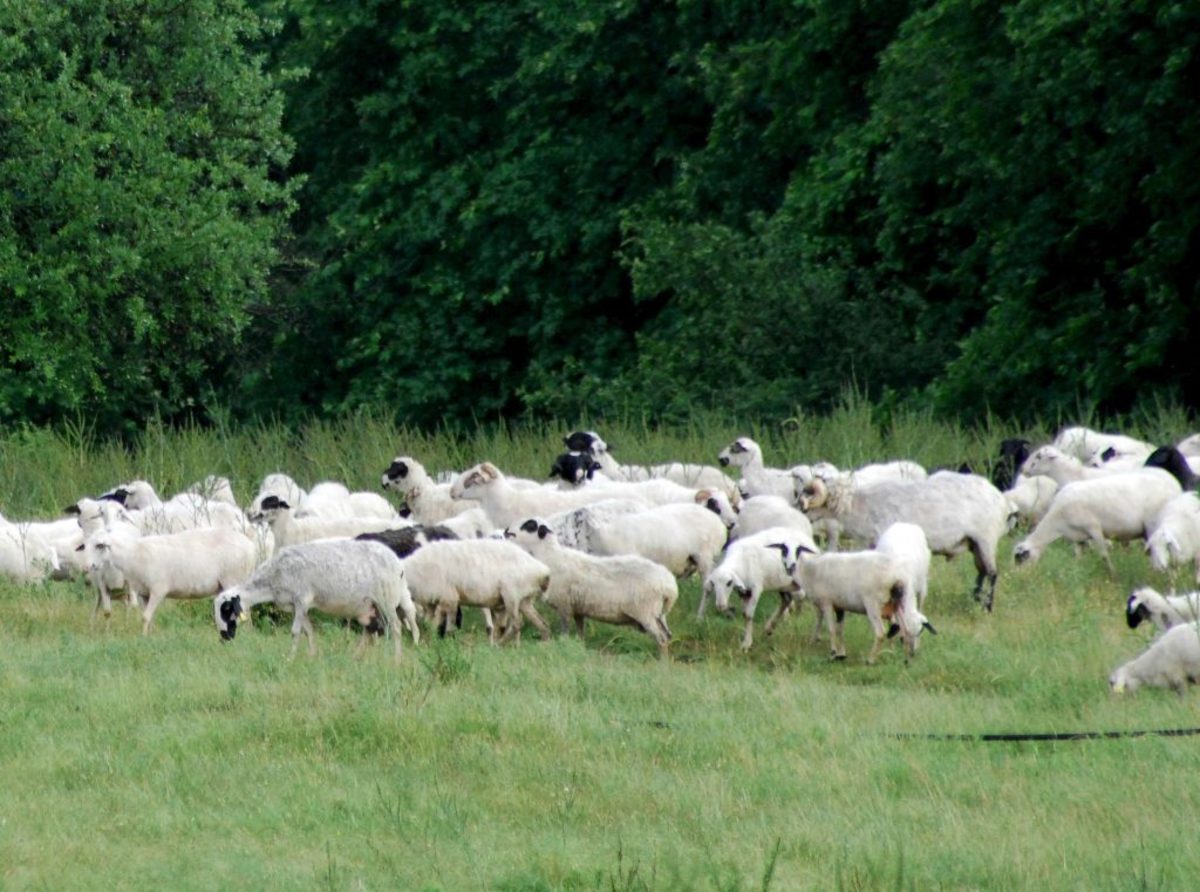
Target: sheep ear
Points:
(283, 504)
(805, 548)
(72, 509)
(893, 630)
(928, 627)
(543, 531)
(783, 549)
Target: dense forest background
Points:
(455, 211)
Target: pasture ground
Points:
(178, 762)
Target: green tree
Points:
(140, 200)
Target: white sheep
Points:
(290, 529)
(759, 513)
(429, 502)
(486, 573)
(621, 590)
(283, 487)
(1171, 661)
(26, 555)
(1030, 497)
(754, 565)
(1063, 468)
(1119, 506)
(1174, 535)
(957, 512)
(185, 565)
(692, 476)
(872, 583)
(757, 479)
(1083, 443)
(363, 581)
(573, 528)
(1190, 446)
(682, 538)
(1164, 611)
(907, 543)
(333, 500)
(506, 504)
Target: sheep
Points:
(215, 489)
(189, 564)
(693, 476)
(872, 583)
(575, 471)
(1189, 446)
(622, 590)
(573, 528)
(334, 501)
(26, 555)
(1147, 604)
(358, 580)
(1119, 506)
(290, 529)
(430, 502)
(1171, 661)
(506, 504)
(282, 487)
(1174, 535)
(1013, 453)
(93, 518)
(957, 512)
(765, 512)
(1030, 497)
(486, 573)
(183, 511)
(404, 541)
(719, 504)
(1062, 468)
(1082, 443)
(907, 542)
(757, 480)
(683, 538)
(751, 566)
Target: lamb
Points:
(290, 529)
(765, 512)
(430, 502)
(682, 538)
(872, 583)
(957, 512)
(1147, 604)
(1174, 535)
(757, 479)
(1120, 506)
(693, 476)
(751, 566)
(506, 504)
(1171, 661)
(357, 580)
(1082, 443)
(622, 590)
(189, 564)
(486, 573)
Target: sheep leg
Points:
(1099, 543)
(651, 628)
(880, 633)
(513, 622)
(985, 568)
(785, 607)
(535, 619)
(300, 623)
(580, 620)
(837, 650)
(152, 603)
(662, 621)
(748, 612)
(704, 600)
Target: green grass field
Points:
(176, 762)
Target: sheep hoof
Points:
(838, 658)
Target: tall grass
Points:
(176, 762)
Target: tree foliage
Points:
(139, 204)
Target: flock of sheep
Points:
(609, 542)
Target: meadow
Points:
(178, 762)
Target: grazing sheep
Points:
(505, 504)
(1083, 443)
(1030, 497)
(1147, 604)
(1175, 535)
(752, 566)
(957, 512)
(184, 565)
(683, 538)
(621, 590)
(430, 502)
(693, 476)
(1171, 661)
(362, 581)
(289, 529)
(757, 479)
(867, 582)
(1119, 506)
(486, 573)
(765, 512)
